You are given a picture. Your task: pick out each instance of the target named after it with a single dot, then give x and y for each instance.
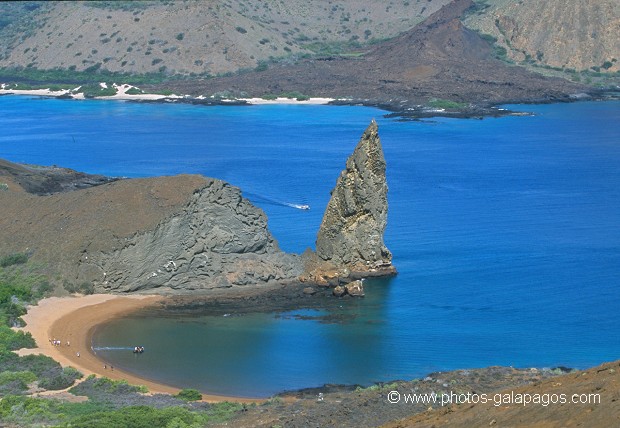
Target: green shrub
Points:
(27, 411)
(106, 385)
(447, 104)
(37, 364)
(82, 288)
(331, 48)
(64, 379)
(189, 394)
(13, 259)
(13, 340)
(296, 95)
(139, 417)
(96, 90)
(41, 289)
(15, 382)
(165, 92)
(262, 66)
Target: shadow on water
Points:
(227, 350)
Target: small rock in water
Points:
(339, 291)
(355, 288)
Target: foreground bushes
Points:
(26, 411)
(13, 259)
(189, 395)
(110, 403)
(49, 374)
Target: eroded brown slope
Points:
(603, 380)
(60, 229)
(183, 232)
(339, 406)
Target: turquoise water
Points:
(505, 232)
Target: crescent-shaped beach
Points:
(73, 320)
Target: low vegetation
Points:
(189, 395)
(13, 259)
(72, 78)
(290, 95)
(446, 104)
(110, 403)
(20, 285)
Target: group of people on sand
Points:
(138, 349)
(55, 342)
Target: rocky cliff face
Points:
(185, 232)
(351, 233)
(191, 232)
(219, 239)
(571, 34)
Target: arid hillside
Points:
(569, 34)
(438, 59)
(218, 37)
(202, 37)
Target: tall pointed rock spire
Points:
(351, 233)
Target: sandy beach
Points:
(72, 320)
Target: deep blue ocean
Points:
(505, 233)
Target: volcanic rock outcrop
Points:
(190, 232)
(350, 239)
(185, 232)
(219, 239)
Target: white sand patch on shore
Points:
(39, 92)
(280, 100)
(122, 94)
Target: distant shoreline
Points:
(393, 109)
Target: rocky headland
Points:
(350, 243)
(41, 180)
(188, 233)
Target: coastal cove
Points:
(504, 231)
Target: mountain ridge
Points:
(400, 56)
